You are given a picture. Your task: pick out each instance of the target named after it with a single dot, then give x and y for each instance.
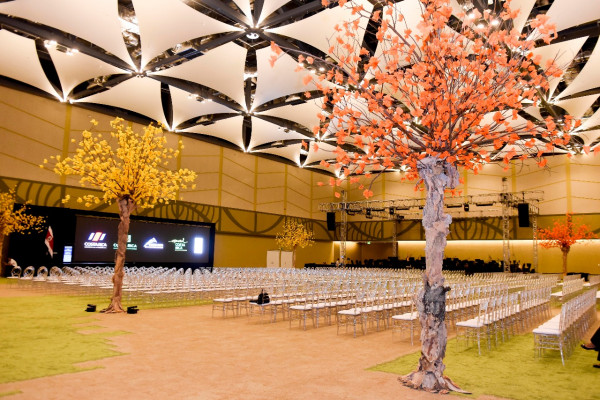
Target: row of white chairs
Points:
(569, 287)
(566, 329)
(502, 315)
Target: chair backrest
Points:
(28, 273)
(42, 272)
(15, 272)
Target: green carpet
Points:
(40, 337)
(512, 371)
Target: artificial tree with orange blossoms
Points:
(131, 169)
(563, 235)
(444, 95)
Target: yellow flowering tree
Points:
(130, 168)
(293, 235)
(12, 220)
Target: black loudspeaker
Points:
(523, 209)
(331, 221)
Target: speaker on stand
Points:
(523, 209)
(331, 221)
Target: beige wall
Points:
(568, 184)
(33, 128)
(246, 251)
(583, 257)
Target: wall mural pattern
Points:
(227, 220)
(251, 223)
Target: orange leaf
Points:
(276, 49)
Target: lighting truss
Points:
(489, 205)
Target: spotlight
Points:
(368, 213)
(391, 210)
(466, 206)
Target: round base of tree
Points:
(113, 309)
(430, 381)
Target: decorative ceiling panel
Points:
(229, 129)
(201, 50)
(221, 69)
(187, 105)
(139, 94)
(278, 80)
(270, 6)
(588, 78)
(178, 23)
(266, 132)
(73, 69)
(304, 114)
(592, 121)
(319, 29)
(96, 21)
(569, 13)
(291, 152)
(25, 65)
(562, 53)
(244, 5)
(579, 105)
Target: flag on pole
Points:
(50, 241)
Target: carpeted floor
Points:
(184, 353)
(41, 336)
(512, 371)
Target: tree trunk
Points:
(294, 257)
(431, 300)
(565, 253)
(126, 206)
(2, 257)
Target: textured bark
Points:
(565, 253)
(431, 300)
(126, 206)
(294, 257)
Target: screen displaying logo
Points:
(179, 244)
(95, 241)
(130, 246)
(198, 245)
(68, 254)
(153, 244)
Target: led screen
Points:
(96, 241)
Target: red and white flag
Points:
(50, 241)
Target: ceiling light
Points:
(252, 35)
(49, 43)
(495, 22)
(480, 26)
(321, 69)
(471, 15)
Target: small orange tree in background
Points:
(18, 220)
(564, 234)
(427, 98)
(293, 235)
(130, 168)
